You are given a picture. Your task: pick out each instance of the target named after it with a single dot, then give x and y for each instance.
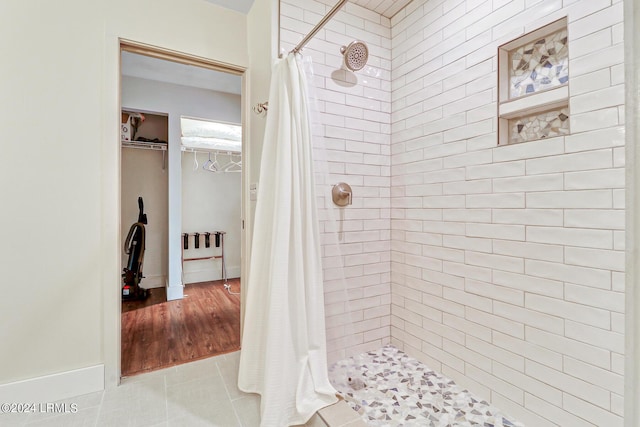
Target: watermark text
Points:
(48, 408)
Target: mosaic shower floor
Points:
(390, 389)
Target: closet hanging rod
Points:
(319, 26)
(144, 145)
(211, 150)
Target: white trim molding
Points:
(151, 282)
(50, 388)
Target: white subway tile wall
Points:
(502, 267)
(354, 115)
(507, 263)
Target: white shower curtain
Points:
(283, 355)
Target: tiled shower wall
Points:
(508, 262)
(354, 133)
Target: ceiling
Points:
(386, 8)
(238, 5)
(149, 68)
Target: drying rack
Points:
(206, 234)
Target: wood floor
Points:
(158, 334)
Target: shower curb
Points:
(340, 414)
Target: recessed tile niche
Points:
(533, 79)
(548, 124)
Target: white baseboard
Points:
(150, 282)
(206, 275)
(50, 388)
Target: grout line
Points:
(233, 407)
(166, 398)
(100, 407)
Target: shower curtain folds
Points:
(283, 355)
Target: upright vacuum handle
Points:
(142, 217)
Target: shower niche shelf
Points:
(533, 85)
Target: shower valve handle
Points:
(342, 194)
(346, 194)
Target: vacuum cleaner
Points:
(134, 246)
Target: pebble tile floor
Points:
(390, 389)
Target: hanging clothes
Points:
(283, 355)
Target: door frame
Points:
(111, 167)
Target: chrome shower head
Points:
(355, 54)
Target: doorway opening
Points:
(190, 263)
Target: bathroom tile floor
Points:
(398, 391)
(390, 389)
(201, 393)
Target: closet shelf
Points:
(144, 145)
(209, 150)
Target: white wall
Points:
(508, 262)
(354, 131)
(262, 34)
(60, 109)
(54, 297)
